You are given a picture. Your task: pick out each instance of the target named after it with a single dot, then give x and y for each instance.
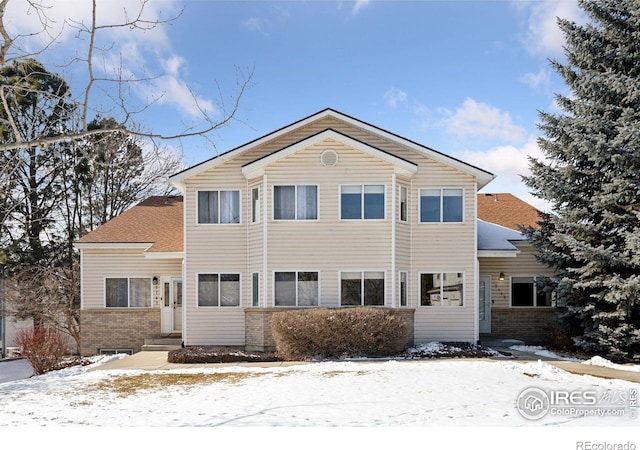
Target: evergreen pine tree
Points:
(591, 177)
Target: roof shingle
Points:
(156, 220)
(507, 210)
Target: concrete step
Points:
(162, 344)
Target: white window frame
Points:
(255, 208)
(295, 196)
(128, 278)
(406, 288)
(219, 305)
(441, 189)
(463, 303)
(239, 191)
(255, 289)
(362, 293)
(362, 187)
(401, 188)
(535, 293)
(296, 272)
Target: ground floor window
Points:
(362, 289)
(525, 292)
(403, 288)
(219, 289)
(441, 289)
(128, 292)
(296, 288)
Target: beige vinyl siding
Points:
(329, 245)
(120, 263)
(524, 265)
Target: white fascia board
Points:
(164, 255)
(177, 180)
(256, 168)
(498, 253)
(112, 245)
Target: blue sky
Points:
(466, 78)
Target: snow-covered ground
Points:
(436, 393)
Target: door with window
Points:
(172, 306)
(484, 304)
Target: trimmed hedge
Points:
(335, 333)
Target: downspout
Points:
(265, 245)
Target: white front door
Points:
(484, 303)
(172, 305)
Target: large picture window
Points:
(219, 207)
(128, 292)
(441, 205)
(219, 289)
(299, 202)
(362, 289)
(525, 292)
(362, 202)
(296, 288)
(441, 289)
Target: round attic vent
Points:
(329, 158)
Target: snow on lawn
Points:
(600, 361)
(341, 394)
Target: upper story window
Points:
(255, 205)
(299, 202)
(362, 202)
(218, 206)
(441, 205)
(128, 292)
(404, 196)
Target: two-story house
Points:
(330, 212)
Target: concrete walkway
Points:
(158, 361)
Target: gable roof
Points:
(482, 176)
(402, 165)
(507, 210)
(154, 224)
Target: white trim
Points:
(127, 277)
(362, 272)
(257, 168)
(482, 177)
(441, 189)
(295, 187)
(113, 245)
(82, 286)
(219, 224)
(362, 186)
(265, 243)
(441, 272)
(497, 253)
(164, 255)
(197, 287)
(296, 272)
(393, 239)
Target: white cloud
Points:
(476, 119)
(509, 163)
(253, 24)
(395, 96)
(542, 35)
(540, 80)
(359, 5)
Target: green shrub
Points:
(334, 333)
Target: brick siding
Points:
(117, 328)
(527, 324)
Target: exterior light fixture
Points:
(155, 281)
(501, 276)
